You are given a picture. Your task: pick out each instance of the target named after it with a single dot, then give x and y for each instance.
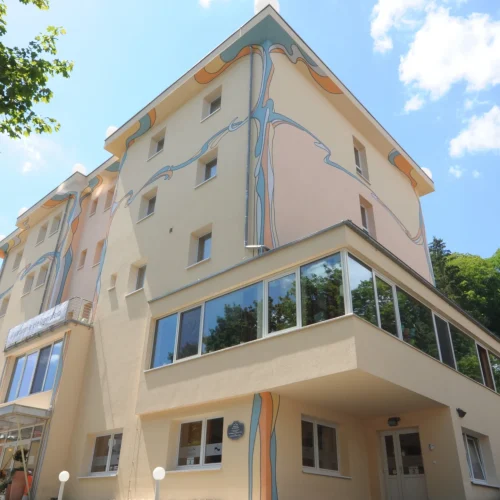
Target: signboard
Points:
(235, 430)
(35, 325)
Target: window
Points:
(98, 252)
(42, 233)
(164, 341)
(485, 367)
(319, 447)
(445, 342)
(204, 247)
(417, 326)
(210, 169)
(42, 275)
(362, 291)
(215, 105)
(200, 443)
(141, 275)
(386, 310)
(148, 204)
(212, 103)
(360, 159)
(4, 306)
(474, 458)
(17, 261)
(35, 372)
(495, 368)
(189, 333)
(233, 319)
(83, 256)
(157, 143)
(466, 357)
(367, 218)
(28, 283)
(106, 454)
(321, 289)
(109, 198)
(93, 207)
(112, 281)
(56, 222)
(282, 303)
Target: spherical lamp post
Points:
(158, 475)
(63, 477)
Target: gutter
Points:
(247, 189)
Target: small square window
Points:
(319, 446)
(98, 252)
(4, 306)
(157, 143)
(28, 283)
(474, 458)
(141, 276)
(106, 456)
(360, 159)
(42, 233)
(56, 223)
(42, 275)
(212, 103)
(83, 257)
(204, 247)
(200, 443)
(17, 261)
(109, 198)
(93, 207)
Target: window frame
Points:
(434, 315)
(107, 205)
(107, 472)
(204, 238)
(52, 230)
(93, 206)
(362, 169)
(208, 167)
(99, 246)
(4, 300)
(15, 264)
(477, 445)
(140, 269)
(28, 276)
(316, 469)
(81, 264)
(203, 444)
(44, 229)
(42, 267)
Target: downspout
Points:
(247, 190)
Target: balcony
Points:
(75, 309)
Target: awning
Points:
(14, 416)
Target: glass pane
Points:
(41, 369)
(12, 436)
(53, 366)
(485, 367)
(38, 431)
(16, 377)
(495, 367)
(327, 448)
(189, 333)
(416, 324)
(213, 448)
(466, 354)
(18, 456)
(233, 319)
(386, 309)
(411, 454)
(190, 444)
(26, 433)
(392, 469)
(362, 292)
(33, 455)
(307, 444)
(115, 452)
(282, 305)
(7, 457)
(164, 345)
(321, 289)
(444, 342)
(476, 464)
(25, 386)
(101, 450)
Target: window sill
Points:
(91, 215)
(363, 177)
(111, 288)
(81, 267)
(198, 263)
(486, 485)
(2, 315)
(204, 182)
(328, 473)
(38, 243)
(15, 268)
(106, 208)
(54, 232)
(145, 217)
(195, 468)
(99, 476)
(156, 154)
(211, 114)
(38, 286)
(96, 264)
(24, 294)
(134, 292)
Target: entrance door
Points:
(403, 465)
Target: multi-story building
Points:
(243, 295)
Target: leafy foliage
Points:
(24, 74)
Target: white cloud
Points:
(392, 13)
(2, 236)
(27, 167)
(414, 103)
(78, 167)
(481, 134)
(448, 49)
(21, 211)
(456, 171)
(476, 174)
(205, 3)
(112, 128)
(428, 172)
(262, 4)
(473, 103)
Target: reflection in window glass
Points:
(233, 319)
(495, 368)
(411, 453)
(41, 369)
(474, 459)
(190, 444)
(189, 333)
(213, 441)
(362, 292)
(14, 383)
(282, 303)
(444, 342)
(164, 344)
(307, 444)
(24, 388)
(115, 452)
(100, 458)
(53, 365)
(327, 448)
(386, 309)
(416, 324)
(391, 456)
(321, 290)
(466, 354)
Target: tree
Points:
(24, 74)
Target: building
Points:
(247, 303)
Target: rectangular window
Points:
(321, 289)
(360, 159)
(93, 207)
(465, 351)
(200, 443)
(28, 283)
(485, 367)
(164, 341)
(386, 309)
(35, 372)
(210, 169)
(56, 222)
(495, 368)
(204, 247)
(98, 252)
(151, 205)
(109, 198)
(367, 217)
(282, 303)
(189, 333)
(233, 319)
(474, 458)
(362, 291)
(215, 105)
(42, 233)
(17, 261)
(112, 281)
(148, 204)
(157, 143)
(319, 447)
(417, 326)
(4, 306)
(42, 275)
(83, 256)
(445, 342)
(141, 275)
(106, 454)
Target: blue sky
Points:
(428, 70)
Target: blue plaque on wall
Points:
(235, 430)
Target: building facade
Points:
(242, 294)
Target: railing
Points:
(75, 309)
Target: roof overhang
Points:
(13, 416)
